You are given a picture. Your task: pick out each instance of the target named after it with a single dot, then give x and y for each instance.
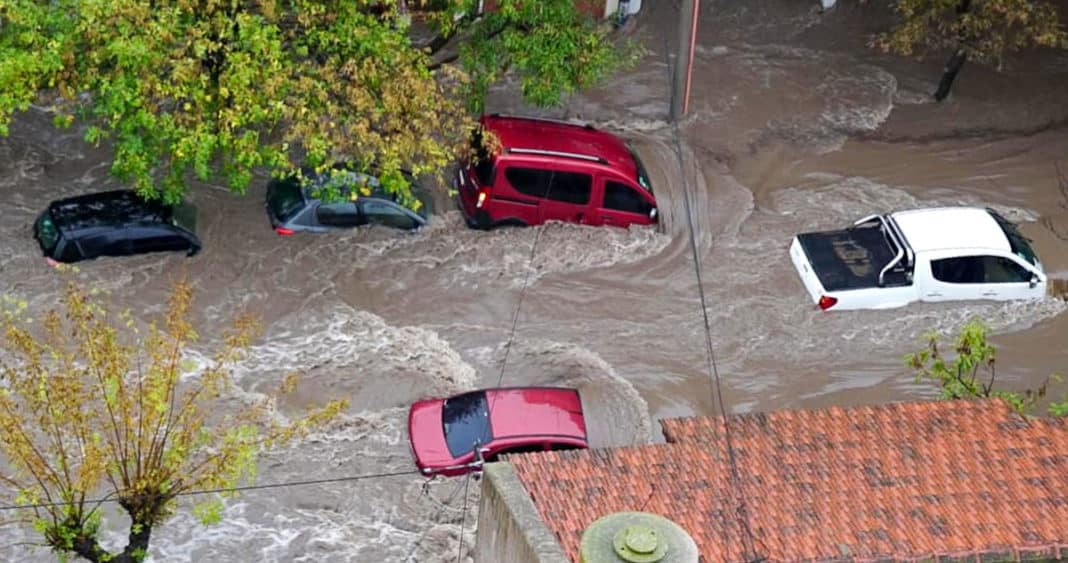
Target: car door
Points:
(341, 215)
(622, 205)
(978, 276)
(388, 214)
(954, 278)
(157, 238)
(529, 185)
(1005, 278)
(109, 242)
(568, 198)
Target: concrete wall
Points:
(509, 526)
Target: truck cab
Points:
(937, 254)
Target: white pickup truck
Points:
(938, 254)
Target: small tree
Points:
(92, 408)
(970, 374)
(981, 30)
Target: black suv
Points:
(117, 223)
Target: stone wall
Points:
(509, 526)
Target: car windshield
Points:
(1020, 245)
(285, 198)
(47, 233)
(185, 216)
(466, 421)
(643, 176)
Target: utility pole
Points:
(680, 91)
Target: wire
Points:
(227, 489)
(519, 304)
(463, 520)
(716, 389)
(441, 508)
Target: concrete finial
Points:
(636, 537)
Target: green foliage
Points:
(92, 407)
(215, 90)
(970, 373)
(986, 30)
(552, 48)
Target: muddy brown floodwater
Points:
(794, 125)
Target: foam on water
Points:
(616, 415)
(346, 353)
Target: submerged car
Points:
(457, 435)
(115, 223)
(293, 207)
(552, 170)
(936, 254)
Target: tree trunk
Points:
(949, 74)
(954, 64)
(136, 547)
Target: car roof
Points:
(944, 228)
(377, 193)
(536, 411)
(516, 132)
(105, 209)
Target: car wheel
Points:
(481, 221)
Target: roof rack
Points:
(588, 157)
(548, 119)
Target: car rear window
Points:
(466, 421)
(285, 198)
(643, 176)
(47, 233)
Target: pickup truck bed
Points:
(847, 259)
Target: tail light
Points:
(283, 231)
(827, 302)
(482, 195)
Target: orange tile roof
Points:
(960, 479)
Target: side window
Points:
(110, 243)
(156, 239)
(342, 214)
(963, 269)
(387, 214)
(998, 269)
(571, 187)
(622, 197)
(533, 182)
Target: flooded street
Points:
(794, 125)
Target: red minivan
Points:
(549, 170)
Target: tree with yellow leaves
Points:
(93, 409)
(984, 31)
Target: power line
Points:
(227, 489)
(441, 508)
(716, 389)
(519, 303)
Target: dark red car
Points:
(445, 433)
(549, 170)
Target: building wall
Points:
(509, 526)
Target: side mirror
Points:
(1034, 281)
(652, 213)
